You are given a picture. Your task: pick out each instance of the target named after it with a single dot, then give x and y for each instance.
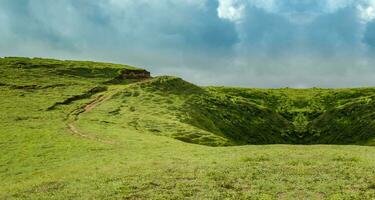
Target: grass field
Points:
(71, 130)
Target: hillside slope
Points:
(214, 116)
(75, 130)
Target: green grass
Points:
(165, 138)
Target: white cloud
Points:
(232, 10)
(367, 12)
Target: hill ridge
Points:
(214, 116)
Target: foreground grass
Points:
(143, 166)
(42, 159)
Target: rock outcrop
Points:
(135, 74)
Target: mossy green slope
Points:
(236, 116)
(315, 116)
(118, 148)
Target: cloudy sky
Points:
(251, 43)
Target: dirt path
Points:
(74, 116)
(95, 103)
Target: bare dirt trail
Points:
(94, 103)
(87, 108)
(74, 116)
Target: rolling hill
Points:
(84, 130)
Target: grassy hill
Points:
(74, 130)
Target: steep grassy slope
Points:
(316, 116)
(68, 131)
(234, 116)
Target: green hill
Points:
(78, 130)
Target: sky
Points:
(246, 43)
